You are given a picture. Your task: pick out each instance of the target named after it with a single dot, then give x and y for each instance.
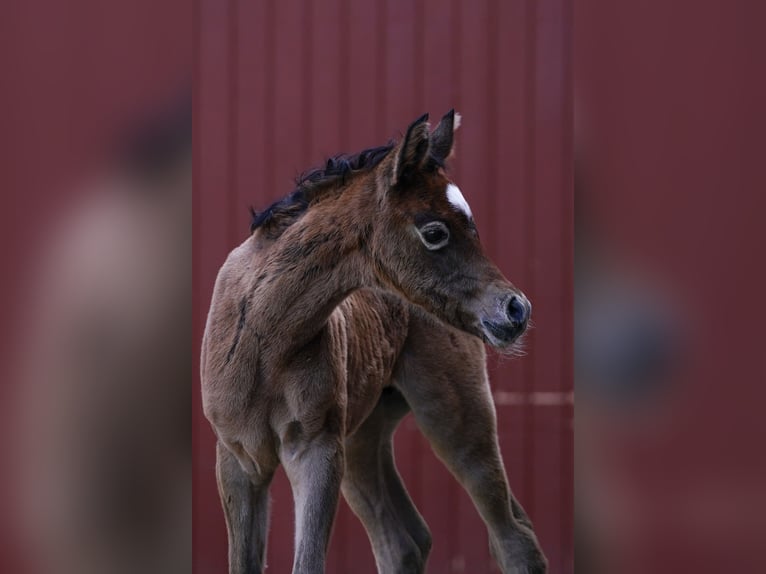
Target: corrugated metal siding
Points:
(281, 85)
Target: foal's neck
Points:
(309, 270)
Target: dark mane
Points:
(286, 210)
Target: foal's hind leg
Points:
(442, 375)
(245, 501)
(400, 538)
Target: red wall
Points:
(281, 85)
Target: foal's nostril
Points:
(517, 310)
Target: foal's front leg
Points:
(448, 391)
(315, 469)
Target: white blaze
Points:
(456, 198)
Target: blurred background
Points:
(280, 86)
(669, 316)
(95, 177)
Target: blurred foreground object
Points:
(95, 176)
(672, 476)
(104, 411)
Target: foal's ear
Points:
(413, 150)
(443, 136)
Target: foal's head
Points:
(425, 244)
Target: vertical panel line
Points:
(308, 79)
(345, 76)
(232, 193)
(419, 80)
(381, 50)
(530, 184)
(567, 250)
(269, 121)
(493, 127)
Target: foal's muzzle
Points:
(509, 322)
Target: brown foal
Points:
(361, 296)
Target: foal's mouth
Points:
(502, 335)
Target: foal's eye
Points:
(434, 235)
